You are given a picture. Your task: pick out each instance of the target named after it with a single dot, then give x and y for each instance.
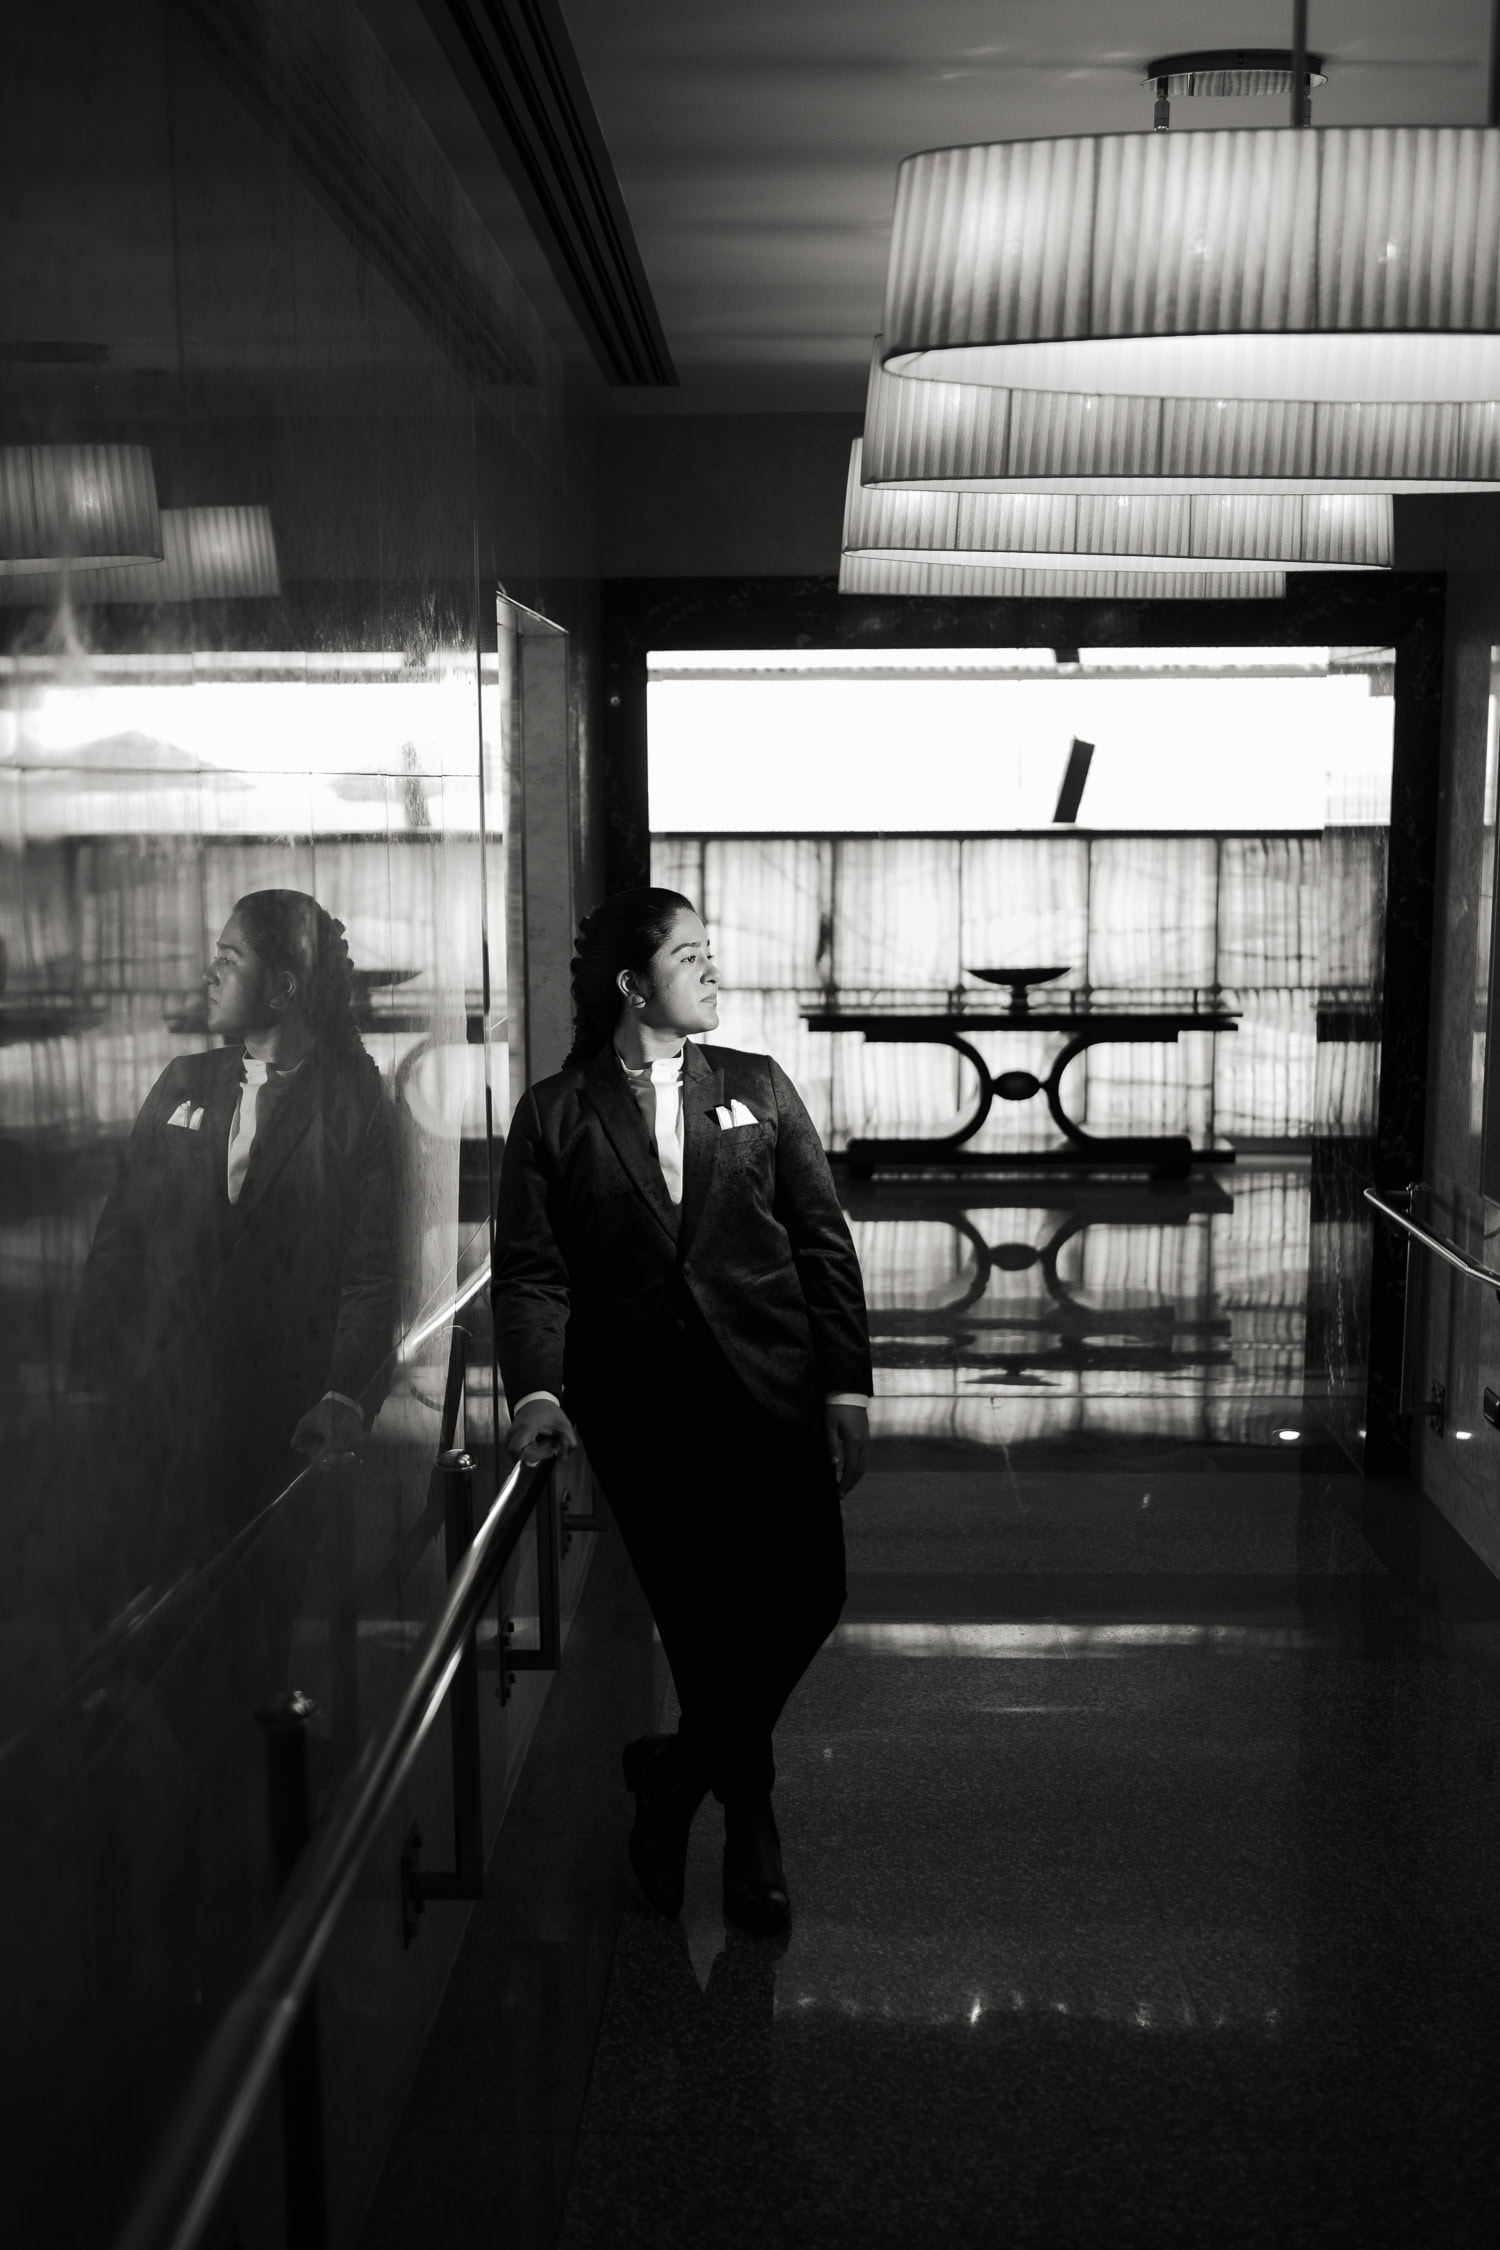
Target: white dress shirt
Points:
(657, 1088)
(255, 1076)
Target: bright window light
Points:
(975, 740)
(313, 754)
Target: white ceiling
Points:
(756, 141)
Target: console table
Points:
(1166, 1155)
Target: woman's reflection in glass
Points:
(239, 1302)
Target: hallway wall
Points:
(1456, 1326)
(722, 495)
(230, 240)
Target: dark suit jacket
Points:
(234, 1318)
(591, 1259)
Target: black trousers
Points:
(732, 1524)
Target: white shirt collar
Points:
(666, 1071)
(254, 1068)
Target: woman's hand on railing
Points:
(540, 1432)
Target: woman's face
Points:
(681, 985)
(238, 985)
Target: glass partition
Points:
(277, 418)
(1486, 1049)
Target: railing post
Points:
(468, 1805)
(465, 1879)
(549, 1577)
(547, 1655)
(285, 1723)
(580, 1519)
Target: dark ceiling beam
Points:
(516, 65)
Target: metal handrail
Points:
(415, 1338)
(149, 1611)
(1438, 1244)
(215, 2116)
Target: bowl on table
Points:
(1020, 982)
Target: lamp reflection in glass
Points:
(1356, 263)
(984, 437)
(1215, 533)
(206, 554)
(80, 504)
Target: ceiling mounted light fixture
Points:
(981, 437)
(866, 574)
(1218, 534)
(1230, 74)
(1349, 264)
(62, 504)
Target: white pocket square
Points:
(185, 1115)
(738, 1113)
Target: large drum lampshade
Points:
(1349, 264)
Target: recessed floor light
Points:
(1288, 1437)
(1463, 1433)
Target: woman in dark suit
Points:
(674, 1274)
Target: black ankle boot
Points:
(666, 1799)
(755, 1892)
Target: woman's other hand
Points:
(540, 1431)
(330, 1431)
(848, 1429)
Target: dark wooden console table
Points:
(1166, 1155)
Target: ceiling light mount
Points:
(1228, 73)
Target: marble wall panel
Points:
(896, 916)
(1132, 921)
(1454, 1337)
(766, 904)
(1026, 907)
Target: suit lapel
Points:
(605, 1088)
(702, 1092)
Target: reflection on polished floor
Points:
(1142, 1823)
(1068, 1315)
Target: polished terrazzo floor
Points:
(1144, 1834)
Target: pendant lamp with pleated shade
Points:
(1342, 264)
(982, 437)
(1218, 534)
(866, 574)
